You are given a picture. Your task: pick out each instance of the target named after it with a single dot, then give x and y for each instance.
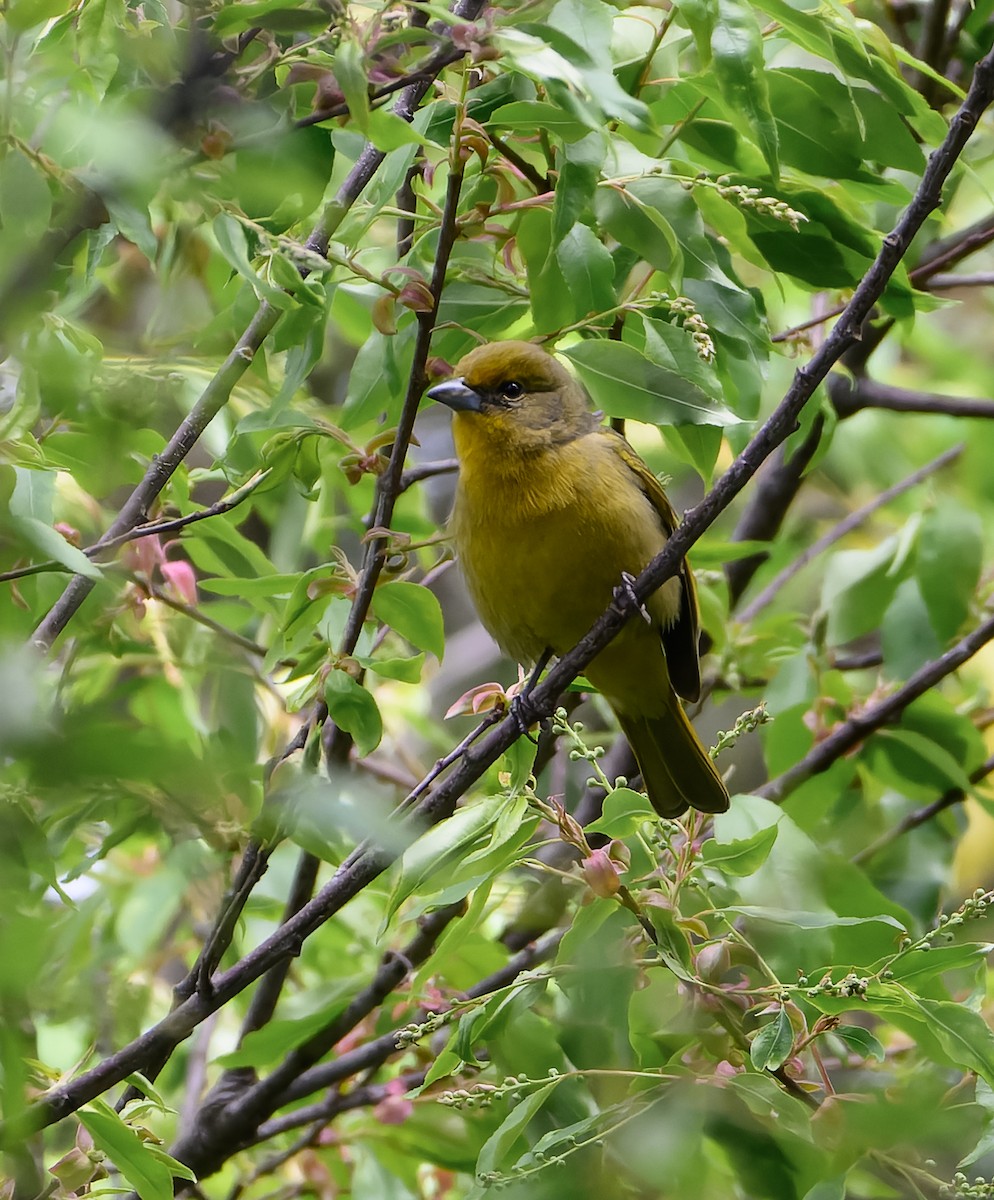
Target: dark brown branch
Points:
(931, 45)
(374, 1053)
(413, 475)
(850, 397)
(388, 485)
(843, 529)
(953, 249)
(851, 733)
(775, 490)
(945, 283)
(134, 510)
(150, 530)
(921, 815)
(937, 257)
(865, 661)
(541, 183)
(229, 1119)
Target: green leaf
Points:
(860, 1041)
(588, 269)
(771, 1047)
(414, 612)
(624, 383)
(809, 920)
(950, 556)
(353, 709)
(738, 63)
(743, 856)
(405, 670)
(51, 544)
(907, 759)
(425, 866)
(529, 115)
(272, 1043)
(496, 1150)
(963, 1034)
(350, 72)
(148, 1175)
(921, 965)
(636, 216)
(672, 945)
(623, 812)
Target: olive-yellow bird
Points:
(552, 510)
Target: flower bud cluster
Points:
(960, 1188)
(694, 324)
(852, 985)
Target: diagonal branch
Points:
(843, 529)
(921, 815)
(857, 729)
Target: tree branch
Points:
(850, 397)
(921, 815)
(842, 529)
(857, 729)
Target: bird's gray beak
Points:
(457, 395)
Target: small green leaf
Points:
(148, 1175)
(809, 920)
(950, 556)
(860, 1041)
(272, 1043)
(414, 612)
(405, 670)
(771, 1047)
(741, 857)
(51, 544)
(534, 114)
(496, 1150)
(588, 269)
(623, 812)
(353, 709)
(350, 72)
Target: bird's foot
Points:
(625, 598)
(524, 715)
(521, 708)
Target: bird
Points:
(553, 511)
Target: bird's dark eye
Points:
(511, 390)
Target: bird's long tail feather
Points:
(676, 769)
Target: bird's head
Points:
(517, 394)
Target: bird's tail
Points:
(676, 769)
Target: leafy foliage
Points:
(236, 244)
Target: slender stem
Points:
(843, 529)
(921, 815)
(855, 730)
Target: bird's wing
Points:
(681, 638)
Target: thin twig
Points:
(428, 470)
(921, 815)
(857, 729)
(843, 529)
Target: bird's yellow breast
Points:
(544, 538)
